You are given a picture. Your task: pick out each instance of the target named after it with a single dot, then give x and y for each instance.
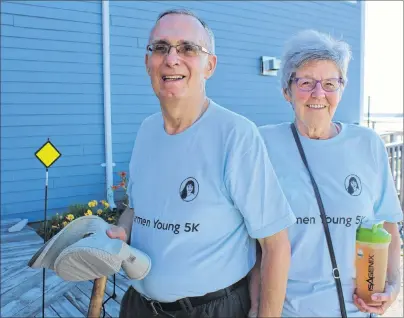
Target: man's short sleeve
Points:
(255, 190)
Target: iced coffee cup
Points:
(372, 245)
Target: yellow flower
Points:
(70, 217)
(99, 211)
(64, 223)
(110, 219)
(106, 204)
(92, 204)
(102, 201)
(89, 212)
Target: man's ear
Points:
(211, 66)
(146, 60)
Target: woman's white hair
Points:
(311, 45)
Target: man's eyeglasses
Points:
(308, 84)
(183, 49)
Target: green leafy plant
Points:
(100, 208)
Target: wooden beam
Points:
(97, 297)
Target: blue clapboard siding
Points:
(52, 82)
(244, 32)
(51, 86)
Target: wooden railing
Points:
(391, 136)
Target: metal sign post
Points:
(47, 155)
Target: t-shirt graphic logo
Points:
(189, 189)
(353, 185)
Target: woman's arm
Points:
(255, 285)
(393, 266)
(275, 263)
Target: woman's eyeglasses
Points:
(308, 84)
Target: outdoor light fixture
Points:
(270, 65)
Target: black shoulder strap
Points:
(335, 271)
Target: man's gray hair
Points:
(311, 45)
(211, 45)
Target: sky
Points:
(383, 78)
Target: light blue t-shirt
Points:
(200, 197)
(355, 184)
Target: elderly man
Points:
(202, 190)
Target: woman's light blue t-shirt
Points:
(355, 183)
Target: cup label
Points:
(371, 262)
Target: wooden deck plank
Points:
(36, 307)
(111, 306)
(19, 277)
(24, 235)
(65, 308)
(12, 267)
(122, 281)
(34, 283)
(49, 313)
(118, 291)
(21, 245)
(21, 286)
(24, 258)
(13, 295)
(80, 300)
(25, 230)
(10, 249)
(27, 252)
(4, 228)
(25, 300)
(6, 224)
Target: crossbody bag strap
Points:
(335, 271)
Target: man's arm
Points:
(124, 228)
(126, 221)
(275, 265)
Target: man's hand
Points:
(117, 232)
(387, 298)
(124, 228)
(253, 313)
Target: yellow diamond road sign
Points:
(48, 154)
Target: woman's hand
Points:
(387, 298)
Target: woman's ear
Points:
(286, 95)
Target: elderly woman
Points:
(350, 167)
